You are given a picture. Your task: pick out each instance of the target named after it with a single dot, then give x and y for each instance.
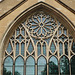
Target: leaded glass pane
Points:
(73, 46)
(22, 48)
(65, 31)
(23, 31)
(8, 66)
(73, 65)
(30, 47)
(64, 66)
(66, 48)
(60, 48)
(19, 66)
(44, 49)
(17, 49)
(39, 49)
(30, 66)
(9, 48)
(52, 48)
(53, 66)
(17, 31)
(42, 66)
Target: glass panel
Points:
(17, 31)
(23, 31)
(73, 65)
(9, 48)
(8, 66)
(39, 49)
(17, 49)
(19, 66)
(30, 47)
(65, 31)
(30, 66)
(60, 48)
(42, 66)
(53, 66)
(73, 46)
(44, 49)
(22, 48)
(64, 66)
(66, 48)
(60, 31)
(52, 48)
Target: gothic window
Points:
(40, 45)
(8, 66)
(42, 66)
(53, 66)
(19, 66)
(73, 65)
(64, 66)
(30, 66)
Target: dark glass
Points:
(66, 48)
(64, 66)
(73, 46)
(8, 66)
(30, 66)
(53, 66)
(19, 66)
(39, 49)
(73, 65)
(42, 66)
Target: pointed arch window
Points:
(8, 66)
(40, 45)
(30, 66)
(19, 66)
(73, 65)
(42, 66)
(64, 66)
(53, 66)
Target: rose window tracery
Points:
(41, 25)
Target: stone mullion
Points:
(47, 57)
(36, 56)
(25, 55)
(70, 67)
(47, 68)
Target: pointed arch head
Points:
(38, 6)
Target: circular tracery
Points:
(41, 25)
